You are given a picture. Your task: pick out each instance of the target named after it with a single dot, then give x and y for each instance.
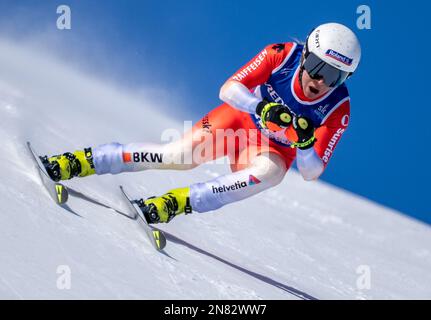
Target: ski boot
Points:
(167, 206)
(69, 165)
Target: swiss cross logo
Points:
(279, 47)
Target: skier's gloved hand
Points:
(274, 116)
(305, 131)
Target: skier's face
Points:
(313, 88)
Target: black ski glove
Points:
(305, 131)
(274, 112)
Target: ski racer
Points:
(289, 102)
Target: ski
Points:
(156, 236)
(57, 191)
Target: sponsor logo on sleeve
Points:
(331, 145)
(251, 67)
(142, 157)
(252, 180)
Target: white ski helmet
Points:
(331, 51)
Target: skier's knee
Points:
(270, 169)
(179, 156)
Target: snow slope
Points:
(299, 240)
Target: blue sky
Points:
(193, 46)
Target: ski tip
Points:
(159, 239)
(62, 194)
(123, 191)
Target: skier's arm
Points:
(312, 162)
(309, 164)
(238, 96)
(236, 90)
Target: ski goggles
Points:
(318, 69)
